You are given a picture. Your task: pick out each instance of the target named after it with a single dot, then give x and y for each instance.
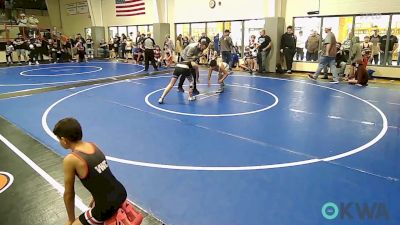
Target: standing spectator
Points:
(39, 49)
(22, 24)
(366, 48)
(398, 55)
(204, 39)
(288, 47)
(157, 56)
(393, 43)
(226, 48)
(300, 45)
(33, 50)
(9, 52)
(328, 56)
(216, 43)
(19, 45)
(89, 47)
(128, 48)
(264, 47)
(375, 39)
(111, 48)
(169, 44)
(116, 42)
(122, 46)
(139, 39)
(179, 47)
(185, 42)
(191, 40)
(355, 55)
(148, 44)
(312, 46)
(81, 52)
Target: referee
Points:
(148, 44)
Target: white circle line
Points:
(9, 175)
(76, 81)
(23, 73)
(239, 168)
(215, 115)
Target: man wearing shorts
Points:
(184, 70)
(90, 165)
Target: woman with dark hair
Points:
(179, 47)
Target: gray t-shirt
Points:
(191, 52)
(226, 44)
(330, 39)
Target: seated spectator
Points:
(157, 56)
(235, 56)
(361, 74)
(248, 61)
(104, 52)
(89, 47)
(168, 59)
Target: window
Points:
(341, 27)
(132, 32)
(375, 27)
(183, 29)
(309, 29)
(122, 30)
(236, 30)
(214, 29)
(143, 29)
(112, 31)
(395, 37)
(151, 29)
(252, 27)
(197, 30)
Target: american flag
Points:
(129, 7)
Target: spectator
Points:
(33, 25)
(328, 56)
(22, 23)
(81, 51)
(393, 43)
(104, 49)
(157, 56)
(355, 56)
(168, 59)
(216, 43)
(111, 48)
(341, 61)
(179, 47)
(361, 75)
(191, 40)
(312, 46)
(89, 47)
(300, 45)
(226, 48)
(122, 46)
(264, 47)
(204, 39)
(375, 39)
(185, 42)
(116, 42)
(128, 48)
(169, 44)
(33, 50)
(19, 45)
(9, 52)
(288, 47)
(366, 49)
(39, 49)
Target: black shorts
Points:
(98, 215)
(187, 73)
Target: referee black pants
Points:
(149, 56)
